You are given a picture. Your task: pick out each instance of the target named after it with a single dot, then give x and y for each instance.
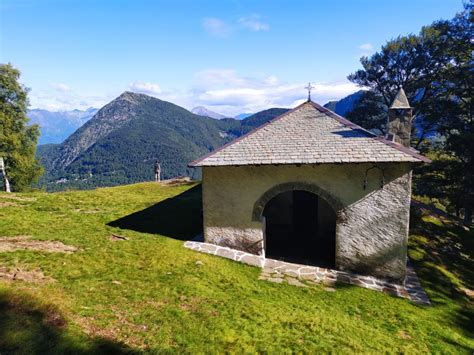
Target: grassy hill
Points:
(148, 293)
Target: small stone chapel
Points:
(313, 188)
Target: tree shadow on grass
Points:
(178, 217)
(28, 327)
(443, 252)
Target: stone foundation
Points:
(249, 240)
(280, 271)
(228, 253)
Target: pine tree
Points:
(436, 69)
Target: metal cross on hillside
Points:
(309, 87)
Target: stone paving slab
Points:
(228, 253)
(279, 271)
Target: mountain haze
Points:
(346, 104)
(56, 126)
(202, 111)
(241, 116)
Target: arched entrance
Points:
(300, 227)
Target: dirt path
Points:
(17, 274)
(10, 244)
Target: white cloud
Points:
(145, 88)
(271, 80)
(227, 92)
(366, 47)
(222, 90)
(66, 100)
(366, 50)
(215, 27)
(253, 23)
(61, 87)
(220, 28)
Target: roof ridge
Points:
(232, 142)
(406, 150)
(352, 125)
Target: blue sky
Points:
(230, 56)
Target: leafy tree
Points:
(457, 121)
(413, 62)
(17, 139)
(370, 112)
(436, 70)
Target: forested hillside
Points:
(121, 143)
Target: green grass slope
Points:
(148, 293)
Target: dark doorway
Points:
(300, 227)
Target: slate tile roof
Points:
(308, 134)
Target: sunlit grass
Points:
(148, 293)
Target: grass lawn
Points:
(149, 294)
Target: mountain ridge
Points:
(121, 142)
(56, 126)
(124, 138)
(203, 111)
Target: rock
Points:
(275, 279)
(296, 282)
(117, 237)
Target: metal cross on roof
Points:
(309, 87)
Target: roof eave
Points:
(414, 161)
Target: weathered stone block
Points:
(253, 260)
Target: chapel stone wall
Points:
(372, 223)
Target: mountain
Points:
(331, 105)
(122, 141)
(262, 117)
(242, 116)
(257, 119)
(345, 105)
(55, 127)
(202, 111)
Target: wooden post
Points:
(6, 184)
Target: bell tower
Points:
(399, 120)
